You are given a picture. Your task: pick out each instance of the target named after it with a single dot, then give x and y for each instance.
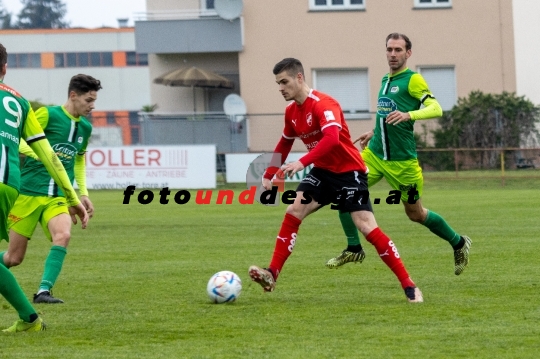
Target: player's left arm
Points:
(330, 127)
(80, 177)
(418, 89)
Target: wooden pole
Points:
(456, 161)
(502, 167)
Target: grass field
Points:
(135, 282)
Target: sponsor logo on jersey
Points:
(10, 90)
(13, 218)
(65, 152)
(309, 119)
(79, 139)
(311, 180)
(385, 105)
(294, 122)
(306, 135)
(311, 145)
(394, 89)
(9, 136)
(329, 115)
(406, 187)
(351, 192)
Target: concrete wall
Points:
(527, 47)
(124, 89)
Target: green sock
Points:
(53, 266)
(13, 293)
(2, 258)
(353, 239)
(438, 225)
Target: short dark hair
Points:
(289, 64)
(83, 83)
(3, 55)
(397, 36)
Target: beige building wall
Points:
(475, 37)
(527, 43)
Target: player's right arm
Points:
(42, 117)
(283, 147)
(34, 136)
(364, 139)
(27, 150)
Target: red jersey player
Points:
(338, 175)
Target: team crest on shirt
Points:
(329, 115)
(309, 119)
(79, 139)
(394, 89)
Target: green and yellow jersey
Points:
(18, 121)
(68, 137)
(404, 91)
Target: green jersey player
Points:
(19, 122)
(41, 200)
(391, 152)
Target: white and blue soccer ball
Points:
(224, 287)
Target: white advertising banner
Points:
(151, 167)
(238, 164)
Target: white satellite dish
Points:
(234, 107)
(228, 9)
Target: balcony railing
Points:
(191, 14)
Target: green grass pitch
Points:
(134, 283)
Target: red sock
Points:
(389, 254)
(285, 242)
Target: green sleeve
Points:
(34, 136)
(80, 174)
(419, 89)
(42, 116)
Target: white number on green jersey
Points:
(17, 114)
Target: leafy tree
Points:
(5, 17)
(42, 14)
(489, 121)
(485, 121)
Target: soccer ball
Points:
(224, 287)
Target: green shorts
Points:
(8, 196)
(401, 175)
(29, 210)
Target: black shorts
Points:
(347, 192)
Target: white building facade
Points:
(41, 63)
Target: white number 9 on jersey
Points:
(17, 114)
